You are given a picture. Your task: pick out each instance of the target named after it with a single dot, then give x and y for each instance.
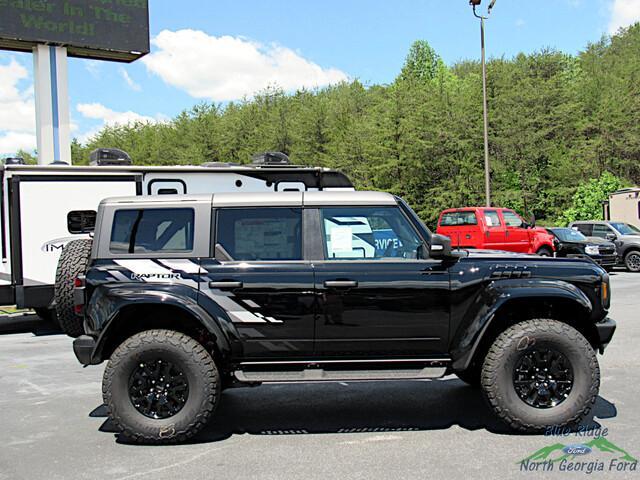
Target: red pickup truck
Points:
(493, 229)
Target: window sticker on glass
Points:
(341, 239)
(489, 221)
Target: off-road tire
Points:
(470, 376)
(198, 367)
(73, 262)
(632, 261)
(501, 360)
(544, 252)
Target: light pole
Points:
(487, 168)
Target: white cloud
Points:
(623, 14)
(228, 68)
(108, 117)
(93, 67)
(17, 109)
(11, 142)
(97, 111)
(129, 81)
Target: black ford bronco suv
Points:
(188, 295)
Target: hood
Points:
(596, 241)
(500, 255)
(630, 238)
(541, 231)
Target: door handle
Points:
(340, 284)
(225, 285)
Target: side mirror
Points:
(440, 246)
(611, 237)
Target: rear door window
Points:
(152, 230)
(584, 228)
(492, 219)
(260, 234)
(455, 219)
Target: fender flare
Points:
(108, 302)
(623, 252)
(538, 244)
(497, 295)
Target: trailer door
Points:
(44, 217)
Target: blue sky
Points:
(221, 50)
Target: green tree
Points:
(586, 203)
(422, 62)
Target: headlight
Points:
(591, 250)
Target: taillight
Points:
(78, 294)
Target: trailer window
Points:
(152, 230)
(81, 221)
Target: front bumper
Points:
(602, 260)
(83, 347)
(605, 329)
(606, 260)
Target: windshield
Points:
(625, 228)
(568, 235)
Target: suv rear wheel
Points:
(632, 261)
(540, 373)
(160, 386)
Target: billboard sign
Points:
(100, 29)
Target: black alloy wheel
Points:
(158, 388)
(543, 377)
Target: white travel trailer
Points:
(624, 206)
(45, 207)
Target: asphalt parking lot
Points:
(54, 426)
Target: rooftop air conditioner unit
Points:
(109, 157)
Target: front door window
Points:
(369, 233)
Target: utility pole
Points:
(487, 165)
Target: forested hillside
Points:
(556, 121)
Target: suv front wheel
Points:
(160, 386)
(541, 373)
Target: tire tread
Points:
(201, 358)
(494, 360)
(73, 261)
